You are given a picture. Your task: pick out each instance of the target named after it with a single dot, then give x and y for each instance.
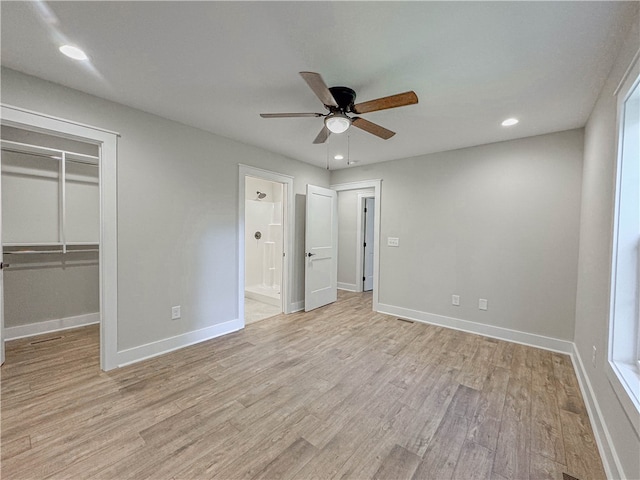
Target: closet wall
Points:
(43, 283)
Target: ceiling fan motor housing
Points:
(345, 97)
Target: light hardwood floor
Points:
(340, 392)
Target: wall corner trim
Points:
(610, 460)
(166, 345)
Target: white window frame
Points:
(623, 366)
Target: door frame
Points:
(287, 230)
(360, 234)
(107, 142)
(376, 185)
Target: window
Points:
(624, 347)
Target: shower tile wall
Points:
(263, 256)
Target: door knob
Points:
(310, 254)
(4, 265)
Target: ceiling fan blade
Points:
(288, 115)
(316, 83)
(393, 101)
(372, 128)
(323, 135)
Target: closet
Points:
(50, 232)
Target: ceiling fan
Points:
(340, 101)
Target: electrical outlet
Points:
(483, 304)
(175, 312)
(455, 300)
(593, 356)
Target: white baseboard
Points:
(49, 326)
(610, 460)
(530, 339)
(297, 306)
(349, 287)
(153, 349)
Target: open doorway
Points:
(265, 242)
(83, 181)
(358, 237)
(50, 234)
(264, 248)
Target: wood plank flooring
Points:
(340, 392)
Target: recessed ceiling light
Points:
(73, 52)
(509, 122)
(339, 157)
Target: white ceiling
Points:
(217, 65)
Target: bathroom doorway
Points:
(264, 248)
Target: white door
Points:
(321, 248)
(369, 212)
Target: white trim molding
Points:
(51, 326)
(349, 287)
(297, 306)
(516, 336)
(166, 345)
(610, 460)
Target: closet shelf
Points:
(39, 252)
(49, 248)
(53, 153)
(49, 244)
(275, 224)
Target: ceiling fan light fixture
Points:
(339, 157)
(337, 122)
(510, 122)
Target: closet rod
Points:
(45, 155)
(32, 252)
(46, 149)
(47, 244)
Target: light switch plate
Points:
(175, 312)
(455, 300)
(483, 304)
(393, 241)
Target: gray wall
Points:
(498, 221)
(594, 265)
(177, 210)
(50, 291)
